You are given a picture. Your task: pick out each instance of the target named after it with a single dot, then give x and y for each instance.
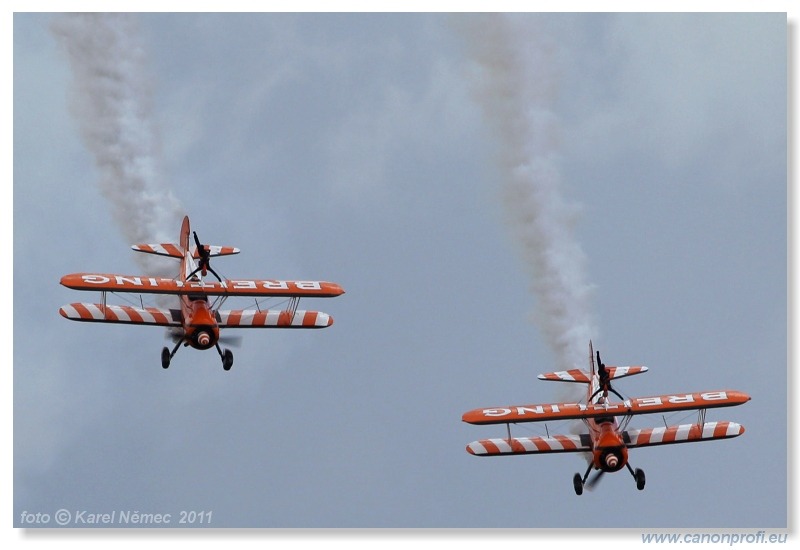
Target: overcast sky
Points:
(365, 149)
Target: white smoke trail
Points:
(517, 89)
(112, 103)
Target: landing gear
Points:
(225, 355)
(639, 476)
(577, 482)
(166, 355)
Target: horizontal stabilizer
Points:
(577, 375)
(573, 375)
(217, 251)
(637, 405)
(176, 251)
(166, 249)
(103, 313)
(251, 318)
(685, 433)
(140, 284)
(530, 445)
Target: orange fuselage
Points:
(199, 324)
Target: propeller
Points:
(177, 334)
(594, 480)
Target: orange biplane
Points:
(198, 321)
(607, 441)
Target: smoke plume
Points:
(517, 85)
(111, 101)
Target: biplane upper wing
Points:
(103, 313)
(531, 445)
(232, 287)
(685, 433)
(578, 375)
(634, 406)
(266, 318)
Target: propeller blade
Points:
(235, 341)
(174, 334)
(594, 480)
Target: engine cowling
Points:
(612, 460)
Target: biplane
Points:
(199, 319)
(606, 440)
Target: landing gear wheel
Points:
(577, 482)
(227, 359)
(165, 358)
(639, 475)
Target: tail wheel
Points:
(577, 482)
(227, 359)
(639, 475)
(165, 358)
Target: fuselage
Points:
(199, 324)
(609, 452)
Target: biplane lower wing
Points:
(106, 282)
(646, 437)
(104, 313)
(639, 405)
(685, 433)
(531, 445)
(245, 318)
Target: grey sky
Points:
(352, 148)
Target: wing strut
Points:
(294, 301)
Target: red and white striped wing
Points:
(214, 250)
(573, 375)
(140, 284)
(530, 445)
(621, 372)
(251, 318)
(685, 433)
(637, 405)
(578, 375)
(121, 314)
